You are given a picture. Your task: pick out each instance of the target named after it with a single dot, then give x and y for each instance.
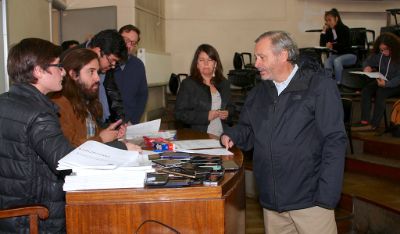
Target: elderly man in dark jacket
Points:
(294, 121)
(31, 140)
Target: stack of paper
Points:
(98, 166)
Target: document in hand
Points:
(143, 129)
(373, 75)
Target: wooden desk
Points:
(197, 209)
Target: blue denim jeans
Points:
(336, 62)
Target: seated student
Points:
(336, 37)
(79, 102)
(386, 60)
(110, 48)
(203, 100)
(31, 140)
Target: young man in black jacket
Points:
(110, 47)
(294, 121)
(31, 139)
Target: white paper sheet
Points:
(197, 144)
(93, 154)
(370, 74)
(163, 134)
(143, 129)
(107, 180)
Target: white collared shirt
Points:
(282, 85)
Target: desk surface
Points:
(209, 209)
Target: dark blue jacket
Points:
(132, 84)
(299, 141)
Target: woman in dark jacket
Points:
(31, 140)
(203, 100)
(336, 37)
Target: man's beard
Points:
(88, 93)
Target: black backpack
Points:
(237, 61)
(175, 82)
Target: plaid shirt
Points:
(90, 126)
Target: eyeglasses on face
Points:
(59, 65)
(129, 42)
(113, 63)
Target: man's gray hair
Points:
(281, 41)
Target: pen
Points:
(175, 157)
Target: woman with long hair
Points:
(385, 59)
(335, 36)
(203, 100)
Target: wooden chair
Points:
(33, 212)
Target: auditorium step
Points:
(378, 144)
(373, 165)
(372, 180)
(373, 201)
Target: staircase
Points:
(371, 189)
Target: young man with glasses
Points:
(31, 140)
(110, 48)
(131, 77)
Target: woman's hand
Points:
(324, 28)
(213, 114)
(329, 45)
(223, 114)
(381, 82)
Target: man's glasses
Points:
(113, 64)
(129, 42)
(59, 65)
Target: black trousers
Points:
(372, 90)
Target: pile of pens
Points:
(177, 169)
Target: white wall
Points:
(233, 25)
(125, 8)
(28, 18)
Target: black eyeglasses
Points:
(59, 65)
(113, 64)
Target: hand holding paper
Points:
(373, 75)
